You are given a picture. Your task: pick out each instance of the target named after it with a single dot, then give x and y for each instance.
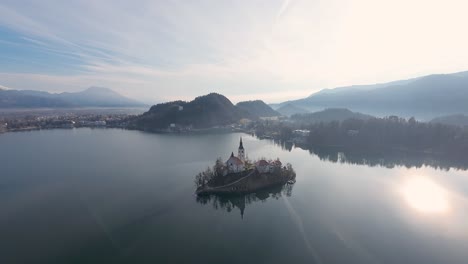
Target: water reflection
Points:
(425, 196)
(241, 201)
(381, 157)
(388, 158)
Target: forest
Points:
(391, 132)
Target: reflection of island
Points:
(229, 202)
(240, 175)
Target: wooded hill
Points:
(203, 112)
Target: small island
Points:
(240, 175)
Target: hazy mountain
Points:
(454, 120)
(203, 112)
(364, 87)
(290, 109)
(328, 115)
(99, 96)
(91, 97)
(19, 99)
(258, 108)
(424, 97)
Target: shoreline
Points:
(252, 182)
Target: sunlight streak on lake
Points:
(425, 196)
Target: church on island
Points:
(238, 164)
(238, 174)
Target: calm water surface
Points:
(116, 196)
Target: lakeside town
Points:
(263, 128)
(14, 121)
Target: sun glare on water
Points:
(426, 196)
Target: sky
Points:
(273, 50)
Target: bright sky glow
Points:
(273, 50)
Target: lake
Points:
(118, 196)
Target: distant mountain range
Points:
(203, 112)
(454, 120)
(329, 115)
(91, 97)
(290, 109)
(258, 108)
(424, 97)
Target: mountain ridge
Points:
(90, 97)
(290, 109)
(423, 97)
(329, 115)
(454, 120)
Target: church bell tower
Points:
(241, 152)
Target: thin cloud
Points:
(276, 51)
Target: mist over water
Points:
(117, 196)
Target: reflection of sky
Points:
(413, 209)
(423, 200)
(136, 195)
(424, 195)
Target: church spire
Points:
(241, 152)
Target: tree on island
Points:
(202, 178)
(218, 175)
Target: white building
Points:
(301, 132)
(100, 123)
(234, 164)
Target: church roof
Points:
(241, 146)
(234, 160)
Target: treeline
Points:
(391, 132)
(387, 133)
